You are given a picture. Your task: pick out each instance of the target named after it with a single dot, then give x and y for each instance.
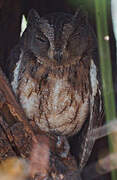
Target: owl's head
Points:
(59, 38)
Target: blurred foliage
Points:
(23, 25)
(14, 168)
(114, 20)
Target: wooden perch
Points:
(9, 98)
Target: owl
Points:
(54, 74)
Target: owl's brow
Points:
(47, 30)
(67, 30)
(70, 27)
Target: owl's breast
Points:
(55, 107)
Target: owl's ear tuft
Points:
(80, 17)
(33, 18)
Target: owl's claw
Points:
(63, 144)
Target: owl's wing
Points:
(95, 118)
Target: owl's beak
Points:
(58, 56)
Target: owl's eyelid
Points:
(42, 39)
(73, 36)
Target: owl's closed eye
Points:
(60, 39)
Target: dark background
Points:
(10, 21)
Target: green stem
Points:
(105, 65)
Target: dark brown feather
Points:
(56, 78)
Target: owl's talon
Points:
(63, 144)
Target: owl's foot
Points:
(63, 145)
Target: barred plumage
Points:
(57, 79)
